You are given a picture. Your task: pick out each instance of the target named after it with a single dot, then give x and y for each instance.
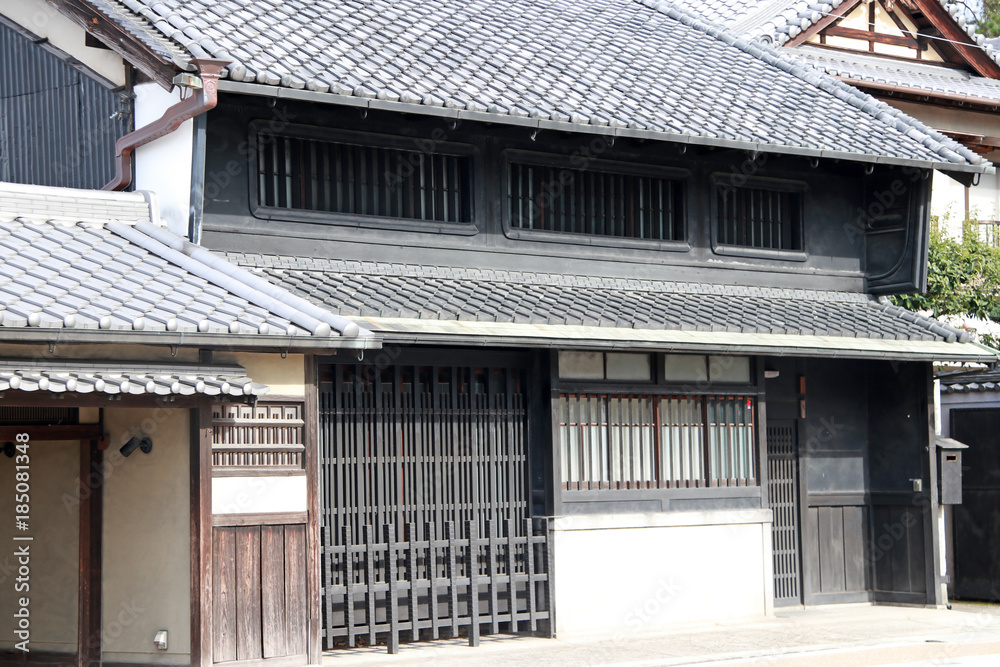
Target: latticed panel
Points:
(266, 436)
(783, 494)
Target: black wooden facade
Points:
(428, 436)
(58, 123)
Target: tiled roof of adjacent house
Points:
(88, 265)
(863, 69)
(781, 20)
(970, 381)
(642, 68)
(380, 290)
(777, 21)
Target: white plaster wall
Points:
(43, 20)
(164, 166)
(147, 560)
(259, 495)
(55, 550)
(948, 194)
(626, 575)
(285, 377)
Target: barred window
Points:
(594, 202)
(356, 179)
(757, 217)
(628, 441)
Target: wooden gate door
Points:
(976, 521)
(783, 495)
(423, 467)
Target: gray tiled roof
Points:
(108, 269)
(84, 377)
(629, 67)
(380, 290)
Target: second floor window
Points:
(341, 177)
(595, 202)
(758, 217)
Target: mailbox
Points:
(950, 471)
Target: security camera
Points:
(145, 445)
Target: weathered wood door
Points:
(259, 602)
(783, 496)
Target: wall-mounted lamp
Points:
(9, 449)
(144, 444)
(160, 640)
(770, 374)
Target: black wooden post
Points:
(511, 576)
(529, 566)
(472, 561)
(393, 581)
(413, 577)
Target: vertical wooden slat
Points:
(512, 576)
(432, 575)
(493, 545)
(272, 562)
(296, 591)
(369, 552)
(414, 576)
(248, 593)
(529, 554)
(452, 548)
(224, 595)
(472, 567)
(392, 579)
(351, 587)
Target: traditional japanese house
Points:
(629, 274)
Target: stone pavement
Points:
(832, 636)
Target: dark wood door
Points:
(977, 519)
(783, 496)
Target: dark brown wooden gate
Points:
(783, 495)
(408, 451)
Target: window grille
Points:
(624, 441)
(759, 217)
(266, 436)
(597, 203)
(353, 179)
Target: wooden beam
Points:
(881, 38)
(119, 40)
(62, 432)
(91, 510)
(200, 483)
(310, 436)
(831, 18)
(960, 41)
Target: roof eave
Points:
(187, 339)
(263, 90)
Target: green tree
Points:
(963, 277)
(989, 18)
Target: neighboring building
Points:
(626, 269)
(970, 413)
(162, 393)
(920, 56)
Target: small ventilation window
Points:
(759, 217)
(594, 201)
(342, 177)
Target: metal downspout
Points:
(201, 101)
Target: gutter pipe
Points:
(204, 99)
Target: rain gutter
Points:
(204, 98)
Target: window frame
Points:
(718, 179)
(659, 387)
(258, 128)
(682, 176)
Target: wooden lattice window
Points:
(759, 217)
(628, 441)
(596, 201)
(264, 438)
(361, 179)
